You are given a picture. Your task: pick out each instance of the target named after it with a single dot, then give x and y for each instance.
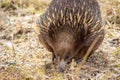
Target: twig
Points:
(87, 53)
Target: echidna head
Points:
(65, 44)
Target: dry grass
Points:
(22, 57)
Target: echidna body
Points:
(68, 28)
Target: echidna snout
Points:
(62, 65)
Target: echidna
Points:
(68, 28)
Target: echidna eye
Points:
(58, 55)
(67, 56)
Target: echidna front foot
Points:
(53, 58)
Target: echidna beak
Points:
(62, 65)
